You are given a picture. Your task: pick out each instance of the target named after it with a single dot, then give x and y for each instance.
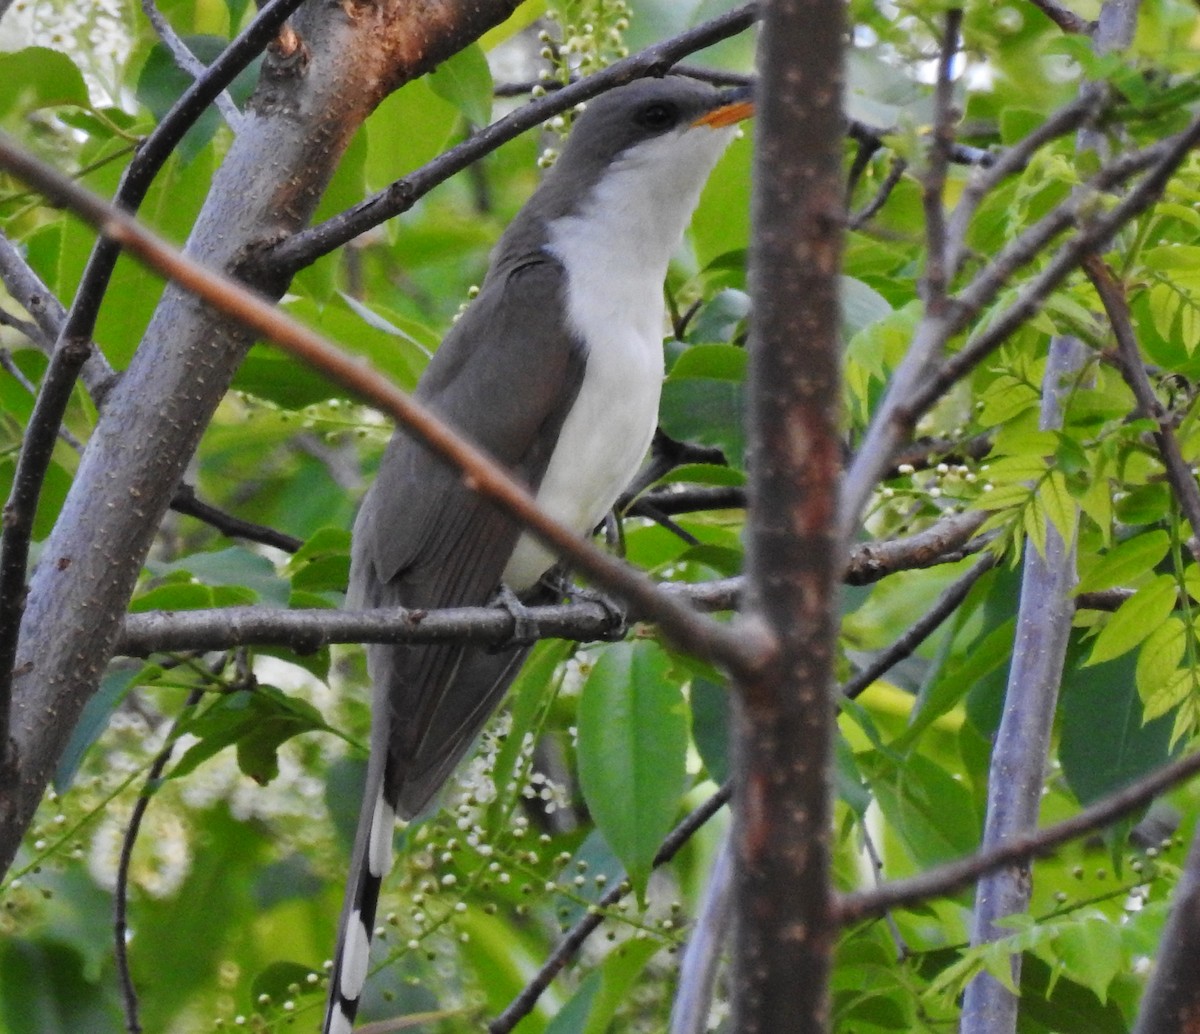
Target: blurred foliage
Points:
(236, 876)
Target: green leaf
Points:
(1135, 619)
(38, 77)
(931, 811)
(718, 362)
(632, 751)
(721, 318)
(703, 399)
(1105, 741)
(988, 655)
(257, 721)
(620, 972)
(1126, 562)
(466, 82)
(1091, 953)
(704, 474)
(173, 596)
(116, 682)
(1058, 505)
(1160, 656)
(1146, 504)
(711, 718)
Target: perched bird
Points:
(555, 369)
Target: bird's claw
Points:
(524, 630)
(617, 620)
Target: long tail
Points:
(371, 862)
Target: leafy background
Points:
(236, 876)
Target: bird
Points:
(555, 369)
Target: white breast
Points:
(615, 251)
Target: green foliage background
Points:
(236, 877)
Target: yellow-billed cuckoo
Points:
(555, 369)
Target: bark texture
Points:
(785, 711)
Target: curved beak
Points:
(735, 106)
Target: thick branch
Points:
(784, 713)
(73, 346)
(1171, 1002)
(1022, 741)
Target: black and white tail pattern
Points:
(371, 863)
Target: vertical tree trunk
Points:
(784, 715)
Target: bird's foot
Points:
(617, 623)
(524, 630)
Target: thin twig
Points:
(902, 949)
(27, 329)
(188, 62)
(945, 605)
(523, 1004)
(1133, 370)
(186, 502)
(121, 891)
(1064, 17)
(17, 374)
(302, 249)
(894, 175)
(952, 876)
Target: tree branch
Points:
(523, 1004)
(188, 62)
(73, 346)
(1022, 741)
(784, 714)
(947, 541)
(304, 248)
(953, 876)
(1133, 370)
(938, 158)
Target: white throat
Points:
(615, 249)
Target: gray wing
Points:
(424, 539)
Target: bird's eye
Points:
(657, 115)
